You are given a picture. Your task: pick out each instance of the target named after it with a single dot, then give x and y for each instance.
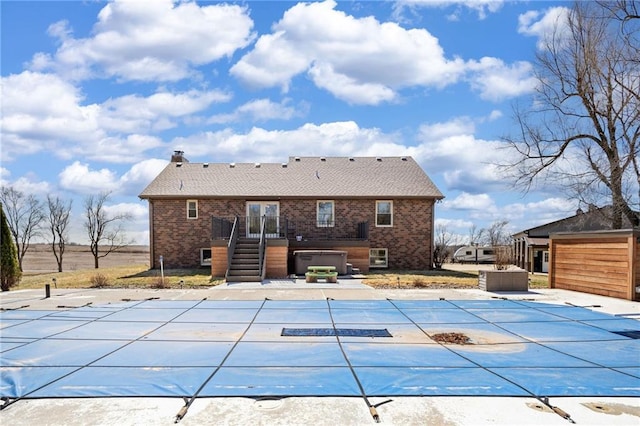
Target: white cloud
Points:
(540, 212)
(465, 201)
(134, 113)
(349, 89)
(135, 210)
(258, 144)
(260, 110)
(466, 162)
(454, 127)
(78, 178)
(29, 185)
(359, 60)
(31, 122)
(114, 131)
(552, 23)
(495, 114)
(451, 224)
(497, 81)
(481, 7)
(367, 62)
(141, 174)
(4, 173)
(149, 41)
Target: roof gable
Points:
(596, 219)
(318, 177)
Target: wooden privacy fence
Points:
(604, 262)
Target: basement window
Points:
(192, 209)
(205, 256)
(378, 258)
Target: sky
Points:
(97, 95)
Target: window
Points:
(205, 256)
(384, 213)
(192, 209)
(325, 213)
(546, 257)
(378, 258)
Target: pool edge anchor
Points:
(559, 411)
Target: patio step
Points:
(238, 271)
(244, 278)
(245, 261)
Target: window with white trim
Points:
(384, 213)
(205, 256)
(325, 210)
(378, 258)
(192, 209)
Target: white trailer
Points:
(473, 254)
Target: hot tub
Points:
(306, 258)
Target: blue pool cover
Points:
(280, 348)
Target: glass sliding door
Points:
(255, 211)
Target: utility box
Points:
(507, 280)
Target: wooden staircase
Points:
(245, 263)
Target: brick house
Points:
(246, 221)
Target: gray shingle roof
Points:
(301, 177)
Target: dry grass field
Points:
(40, 258)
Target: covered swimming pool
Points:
(282, 348)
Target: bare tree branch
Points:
(59, 215)
(105, 232)
(24, 215)
(586, 112)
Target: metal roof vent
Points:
(179, 164)
(323, 159)
(205, 165)
(257, 165)
(284, 165)
(297, 158)
(403, 158)
(232, 165)
(378, 158)
(352, 159)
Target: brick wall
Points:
(408, 242)
(179, 239)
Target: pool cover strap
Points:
(372, 408)
(189, 401)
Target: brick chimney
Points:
(178, 157)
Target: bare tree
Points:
(625, 11)
(24, 215)
(496, 234)
(105, 232)
(583, 131)
(475, 235)
(59, 214)
(443, 242)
